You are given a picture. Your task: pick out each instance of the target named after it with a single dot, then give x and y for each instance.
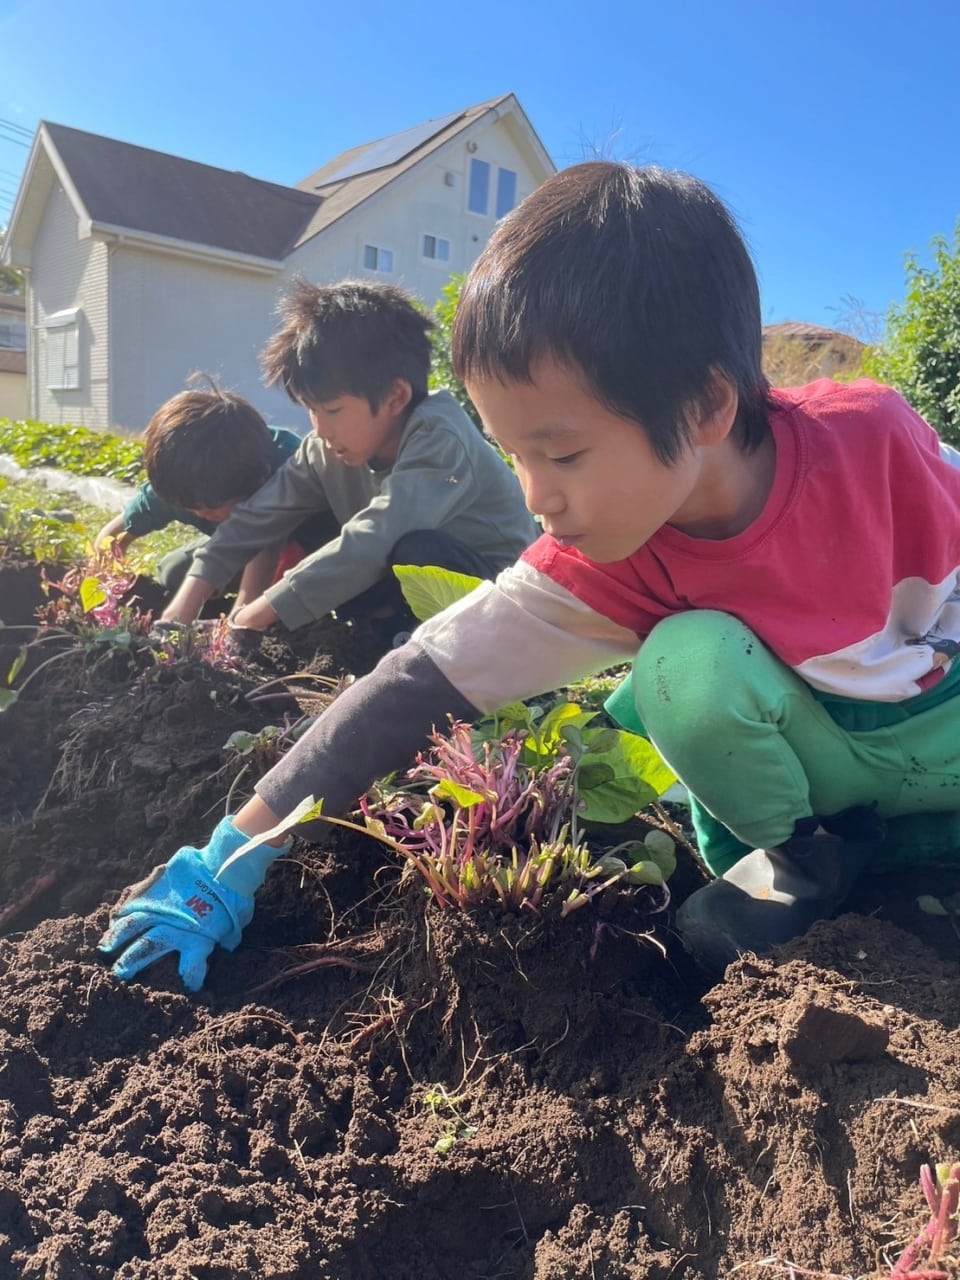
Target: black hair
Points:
(636, 278)
(206, 448)
(351, 338)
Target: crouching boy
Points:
(781, 566)
(405, 474)
(205, 451)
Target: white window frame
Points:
(435, 260)
(378, 249)
(493, 188)
(62, 350)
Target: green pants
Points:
(759, 749)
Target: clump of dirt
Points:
(370, 1087)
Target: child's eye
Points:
(567, 458)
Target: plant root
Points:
(35, 890)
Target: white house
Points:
(143, 267)
(13, 356)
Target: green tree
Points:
(11, 280)
(442, 377)
(920, 352)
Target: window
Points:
(13, 335)
(436, 248)
(506, 191)
(377, 259)
(478, 194)
(63, 350)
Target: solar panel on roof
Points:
(389, 150)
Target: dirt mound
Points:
(370, 1088)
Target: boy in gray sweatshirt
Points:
(404, 474)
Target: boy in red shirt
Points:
(782, 567)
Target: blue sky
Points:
(831, 127)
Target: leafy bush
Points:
(920, 354)
(52, 535)
(76, 449)
(58, 527)
(443, 378)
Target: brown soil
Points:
(611, 1120)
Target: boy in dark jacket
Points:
(204, 452)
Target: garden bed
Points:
(599, 1114)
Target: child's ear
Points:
(717, 412)
(399, 395)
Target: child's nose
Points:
(542, 498)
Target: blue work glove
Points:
(185, 907)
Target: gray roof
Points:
(127, 186)
(121, 185)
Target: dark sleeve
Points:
(373, 728)
(147, 513)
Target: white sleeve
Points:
(521, 636)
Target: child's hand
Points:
(255, 616)
(184, 907)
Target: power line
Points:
(17, 128)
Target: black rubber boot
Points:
(773, 895)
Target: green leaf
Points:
(429, 590)
(554, 734)
(639, 776)
(931, 906)
(463, 797)
(17, 665)
(647, 872)
(602, 740)
(646, 761)
(7, 698)
(659, 842)
(662, 850)
(594, 773)
(92, 595)
(444, 1145)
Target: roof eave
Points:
(152, 243)
(20, 220)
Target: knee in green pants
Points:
(759, 750)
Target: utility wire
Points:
(17, 128)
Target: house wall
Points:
(174, 316)
(68, 273)
(13, 395)
(413, 204)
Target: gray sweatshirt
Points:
(445, 476)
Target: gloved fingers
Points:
(133, 891)
(162, 631)
(153, 946)
(123, 929)
(193, 962)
